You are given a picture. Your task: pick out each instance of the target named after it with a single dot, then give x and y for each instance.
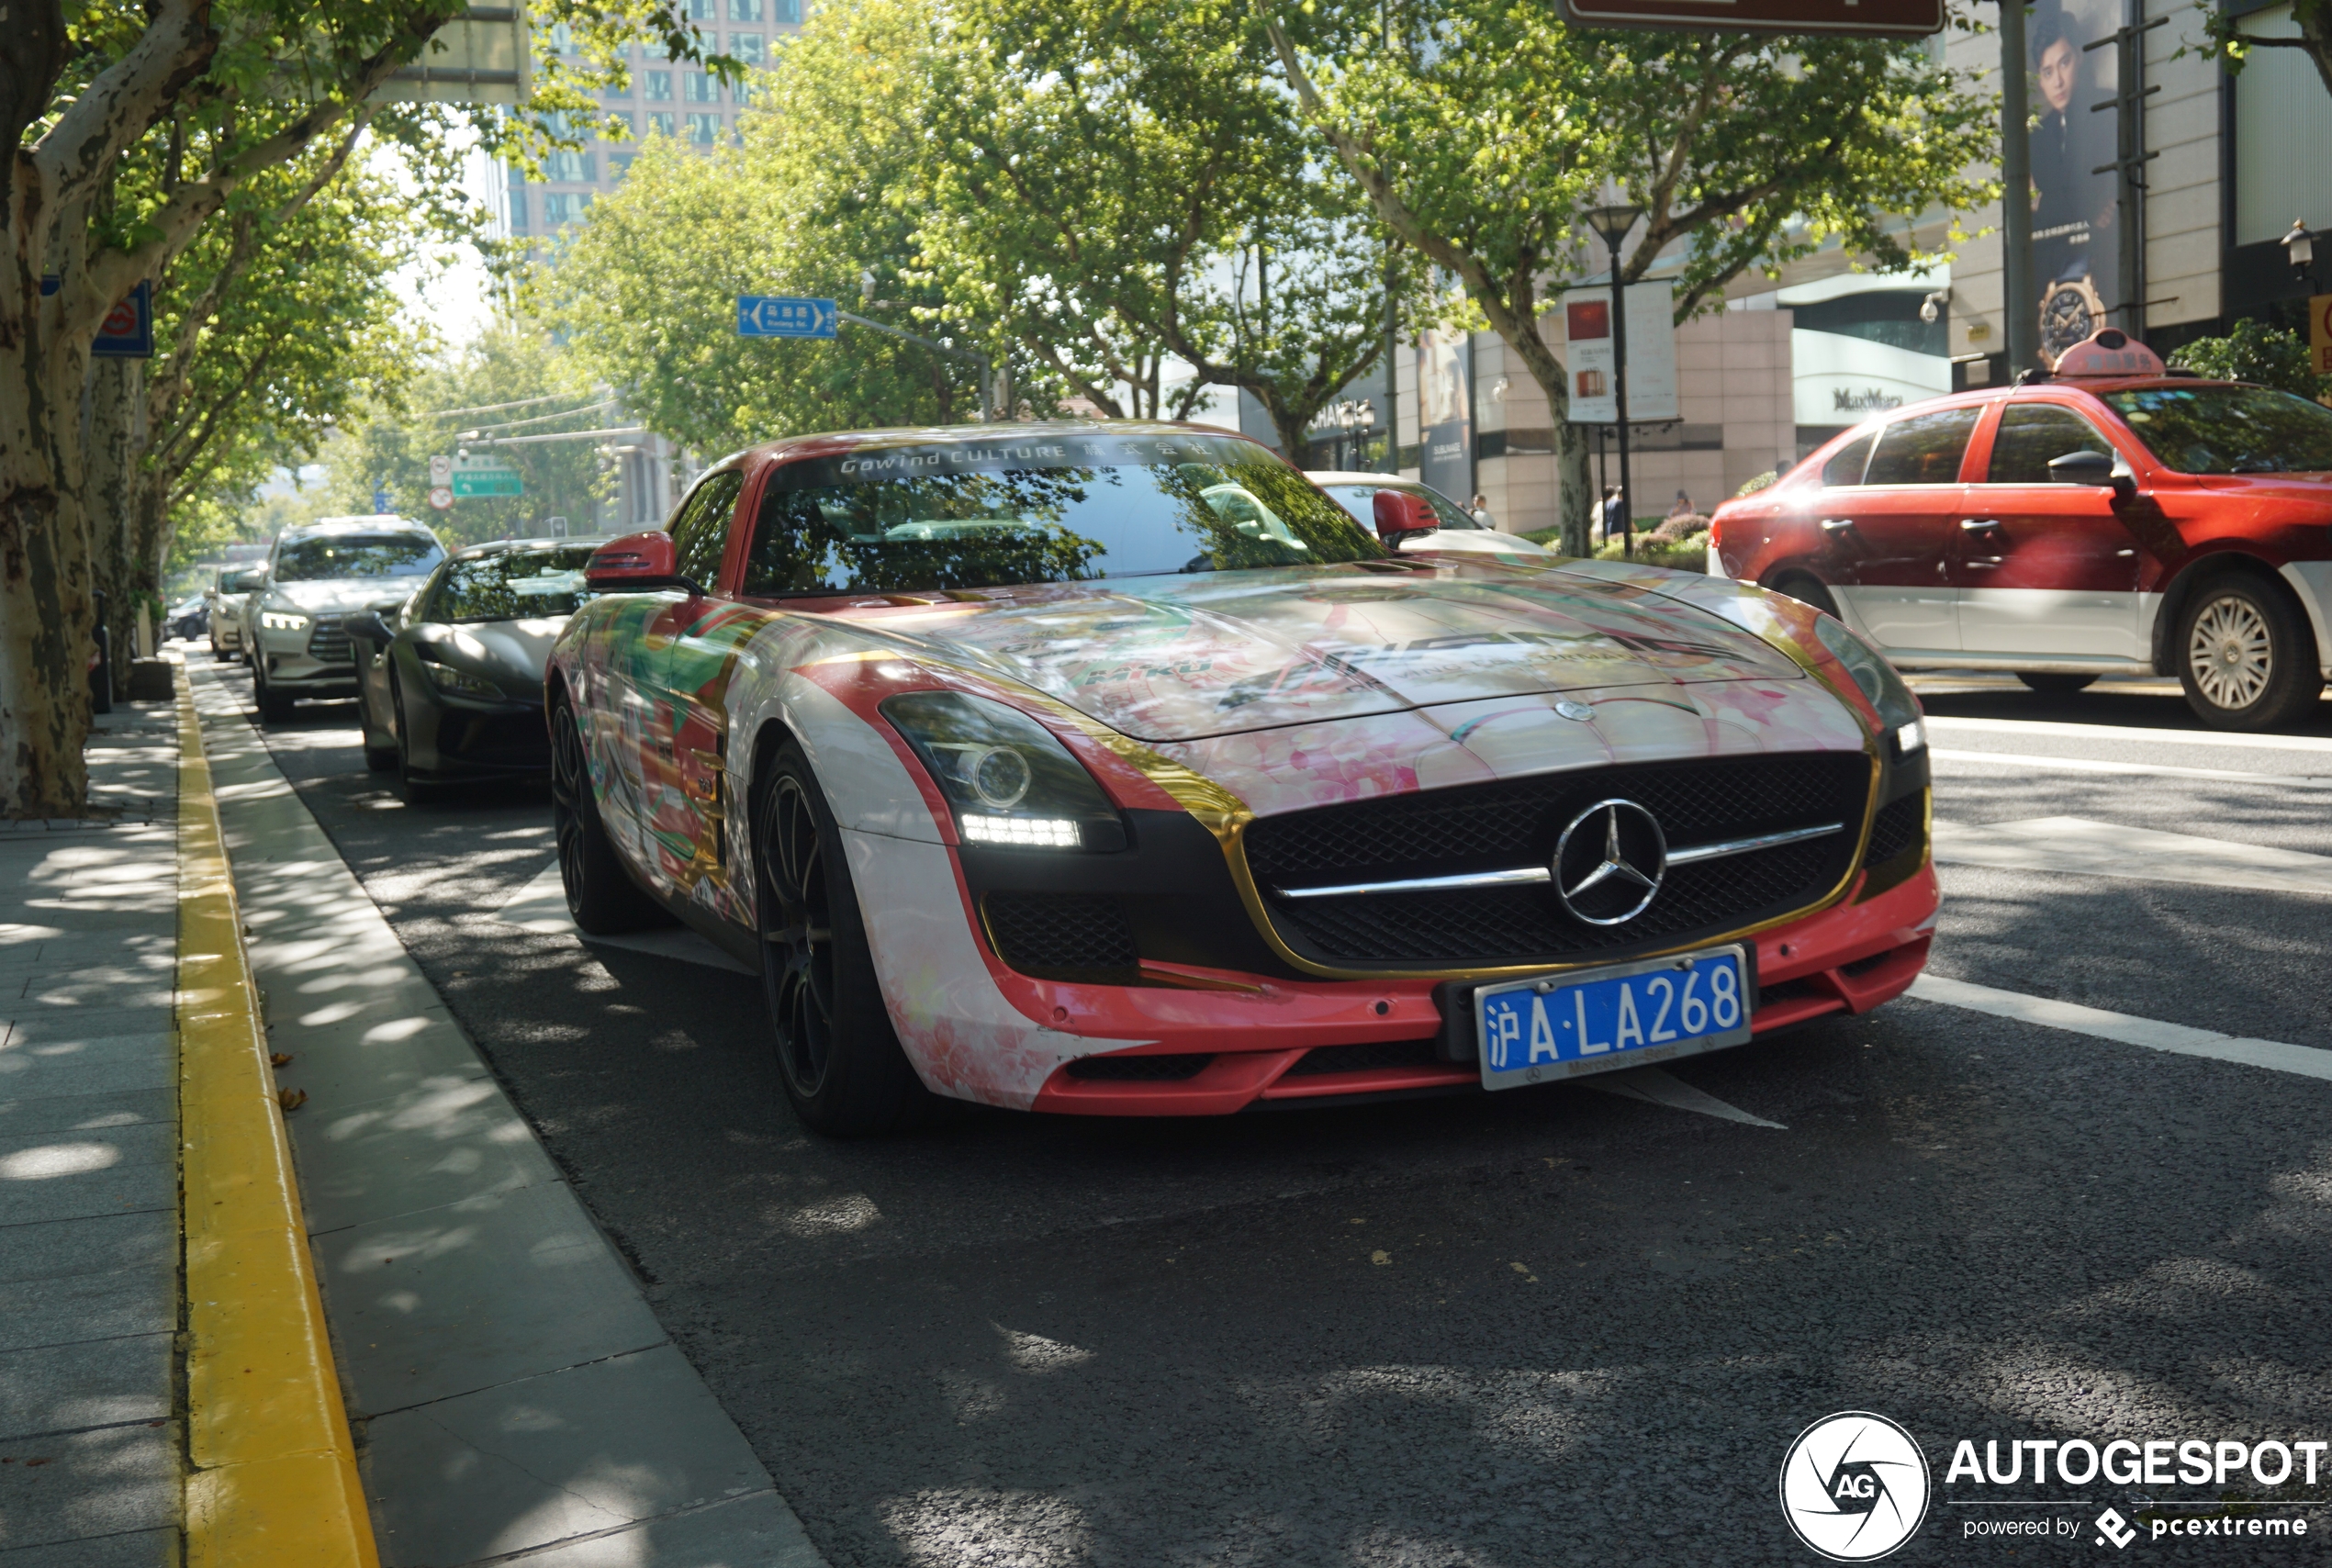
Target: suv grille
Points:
(327, 643)
(1061, 935)
(1485, 827)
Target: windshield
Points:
(350, 555)
(2228, 430)
(1361, 502)
(514, 584)
(1046, 508)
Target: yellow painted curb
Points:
(274, 1479)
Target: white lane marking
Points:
(2086, 849)
(2159, 769)
(1947, 725)
(2306, 1061)
(1655, 1086)
(540, 907)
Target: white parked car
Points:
(1456, 529)
(318, 575)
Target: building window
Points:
(660, 125)
(704, 88)
(618, 166)
(745, 10)
(704, 10)
(657, 86)
(564, 206)
(746, 46)
(617, 89)
(572, 167)
(786, 11)
(704, 129)
(517, 206)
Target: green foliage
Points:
(1762, 481)
(390, 445)
(2259, 353)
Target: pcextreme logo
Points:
(1855, 1486)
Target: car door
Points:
(1890, 537)
(681, 725)
(2046, 568)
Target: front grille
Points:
(327, 643)
(1060, 935)
(1485, 827)
(1370, 1058)
(1895, 828)
(1140, 1069)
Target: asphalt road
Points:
(1544, 1327)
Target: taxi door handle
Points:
(2123, 554)
(1834, 526)
(1980, 525)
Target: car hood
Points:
(1179, 659)
(512, 652)
(339, 595)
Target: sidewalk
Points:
(514, 1399)
(89, 1234)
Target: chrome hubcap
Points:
(797, 929)
(2229, 653)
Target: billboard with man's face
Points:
(2076, 221)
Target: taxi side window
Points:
(1847, 467)
(2032, 433)
(700, 528)
(1923, 449)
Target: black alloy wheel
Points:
(2055, 685)
(837, 1054)
(1807, 589)
(601, 894)
(2246, 654)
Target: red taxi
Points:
(2112, 519)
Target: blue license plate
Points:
(1542, 1031)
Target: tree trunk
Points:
(45, 608)
(110, 454)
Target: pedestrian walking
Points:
(1614, 513)
(1480, 511)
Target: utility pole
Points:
(2021, 299)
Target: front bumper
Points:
(314, 660)
(1290, 1042)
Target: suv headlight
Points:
(462, 683)
(1008, 779)
(282, 621)
(1898, 709)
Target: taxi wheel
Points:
(2055, 685)
(1809, 590)
(273, 706)
(2246, 657)
(600, 895)
(837, 1054)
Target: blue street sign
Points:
(785, 316)
(380, 499)
(127, 332)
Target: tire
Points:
(2055, 685)
(274, 708)
(417, 791)
(601, 894)
(379, 758)
(217, 652)
(2245, 656)
(1809, 590)
(837, 1055)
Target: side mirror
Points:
(2094, 468)
(1401, 512)
(369, 625)
(245, 581)
(636, 563)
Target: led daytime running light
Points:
(1042, 832)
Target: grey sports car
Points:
(450, 680)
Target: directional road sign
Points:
(1886, 19)
(785, 316)
(486, 477)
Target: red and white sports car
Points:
(1113, 768)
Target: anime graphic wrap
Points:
(1201, 706)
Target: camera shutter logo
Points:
(1855, 1486)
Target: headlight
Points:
(1898, 709)
(460, 683)
(281, 621)
(1008, 779)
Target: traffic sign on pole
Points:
(441, 470)
(785, 316)
(1863, 18)
(486, 477)
(440, 497)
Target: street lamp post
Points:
(1613, 223)
(2016, 202)
(2298, 248)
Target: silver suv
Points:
(318, 575)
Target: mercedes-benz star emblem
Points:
(1610, 862)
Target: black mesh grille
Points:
(1496, 826)
(327, 643)
(1140, 1069)
(1368, 1058)
(1895, 828)
(1051, 934)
